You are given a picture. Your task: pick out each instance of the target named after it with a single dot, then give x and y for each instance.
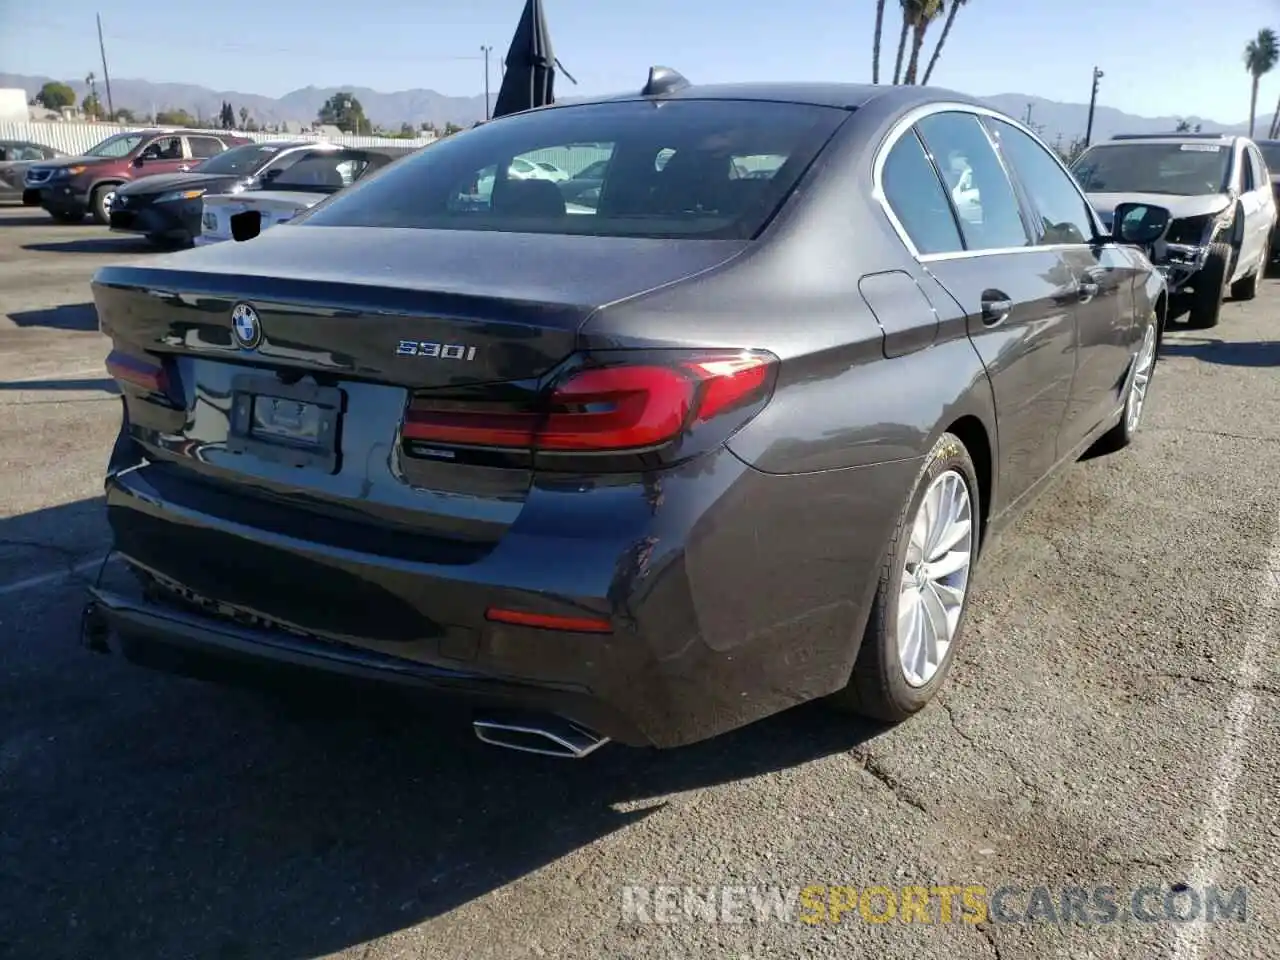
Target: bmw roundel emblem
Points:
(245, 326)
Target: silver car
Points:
(15, 157)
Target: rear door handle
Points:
(1088, 290)
(996, 307)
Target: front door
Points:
(164, 154)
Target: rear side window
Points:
(683, 168)
(204, 147)
(1064, 215)
(916, 197)
(990, 217)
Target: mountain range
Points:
(1052, 118)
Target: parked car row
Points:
(728, 430)
(157, 183)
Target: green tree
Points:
(244, 118)
(451, 128)
(875, 42)
(91, 107)
(124, 115)
(54, 96)
(344, 111)
(175, 118)
(1260, 56)
(946, 32)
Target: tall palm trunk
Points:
(1253, 104)
(946, 29)
(875, 46)
(1274, 131)
(902, 48)
(917, 41)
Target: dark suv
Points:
(72, 186)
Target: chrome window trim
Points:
(908, 121)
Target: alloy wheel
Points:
(935, 577)
(1143, 366)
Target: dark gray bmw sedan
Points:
(727, 436)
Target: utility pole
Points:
(486, 50)
(1093, 102)
(106, 74)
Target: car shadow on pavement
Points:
(68, 316)
(150, 815)
(34, 220)
(1248, 353)
(124, 245)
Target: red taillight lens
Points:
(543, 621)
(130, 369)
(607, 408)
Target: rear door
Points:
(1102, 276)
(1018, 297)
(1260, 209)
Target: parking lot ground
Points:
(1112, 723)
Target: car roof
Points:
(843, 96)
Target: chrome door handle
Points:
(995, 310)
(1088, 290)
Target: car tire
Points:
(1136, 392)
(100, 203)
(1246, 288)
(67, 216)
(1210, 288)
(882, 685)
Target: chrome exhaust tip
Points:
(546, 736)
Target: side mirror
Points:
(272, 174)
(138, 161)
(1139, 223)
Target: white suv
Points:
(1217, 189)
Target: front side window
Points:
(990, 217)
(164, 148)
(671, 172)
(1062, 212)
(917, 198)
(1179, 169)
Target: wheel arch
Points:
(973, 433)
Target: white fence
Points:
(76, 138)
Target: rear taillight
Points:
(674, 404)
(126, 368)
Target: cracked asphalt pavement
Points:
(1112, 722)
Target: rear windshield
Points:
(1181, 169)
(324, 172)
(241, 160)
(683, 168)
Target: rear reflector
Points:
(130, 369)
(542, 621)
(606, 408)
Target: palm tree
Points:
(875, 43)
(924, 13)
(946, 32)
(902, 38)
(1260, 56)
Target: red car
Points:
(71, 186)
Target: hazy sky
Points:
(1159, 58)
